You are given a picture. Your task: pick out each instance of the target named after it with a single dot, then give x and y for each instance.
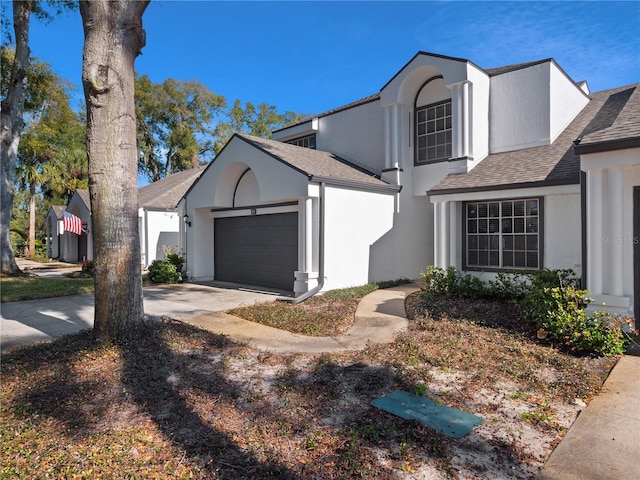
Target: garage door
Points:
(257, 250)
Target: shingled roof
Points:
(315, 163)
(616, 126)
(166, 193)
(57, 210)
(555, 164)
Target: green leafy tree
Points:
(258, 120)
(173, 120)
(12, 109)
(50, 123)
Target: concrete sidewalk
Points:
(379, 317)
(604, 441)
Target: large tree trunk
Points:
(11, 128)
(114, 37)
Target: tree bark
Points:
(11, 129)
(114, 37)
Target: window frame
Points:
(295, 141)
(417, 135)
(501, 234)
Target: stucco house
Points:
(158, 220)
(488, 170)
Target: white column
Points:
(594, 232)
(441, 255)
(615, 244)
(308, 235)
(456, 121)
(387, 136)
(464, 101)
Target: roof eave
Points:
(607, 146)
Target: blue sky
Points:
(313, 56)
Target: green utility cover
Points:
(450, 421)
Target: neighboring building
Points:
(157, 217)
(449, 164)
(64, 245)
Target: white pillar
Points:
(387, 136)
(595, 235)
(441, 244)
(308, 235)
(615, 245)
(465, 118)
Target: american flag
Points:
(71, 223)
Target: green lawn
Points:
(14, 289)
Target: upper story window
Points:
(433, 132)
(308, 141)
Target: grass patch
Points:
(15, 289)
(323, 315)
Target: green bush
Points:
(450, 283)
(163, 271)
(175, 259)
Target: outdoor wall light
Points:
(186, 219)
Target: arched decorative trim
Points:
(235, 190)
(415, 100)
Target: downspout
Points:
(318, 287)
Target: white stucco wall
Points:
(562, 232)
(566, 100)
(355, 221)
(159, 228)
(520, 109)
(356, 134)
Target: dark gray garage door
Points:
(257, 250)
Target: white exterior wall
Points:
(611, 177)
(567, 100)
(54, 227)
(355, 134)
(159, 228)
(354, 222)
(520, 109)
(563, 232)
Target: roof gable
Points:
(313, 163)
(166, 193)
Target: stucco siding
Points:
(566, 101)
(520, 109)
(354, 222)
(354, 134)
(562, 232)
(161, 229)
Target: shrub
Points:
(163, 271)
(175, 259)
(450, 283)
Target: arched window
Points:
(433, 135)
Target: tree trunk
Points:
(32, 221)
(114, 37)
(11, 129)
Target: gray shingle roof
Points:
(555, 164)
(166, 193)
(618, 120)
(84, 196)
(314, 162)
(58, 209)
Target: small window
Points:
(433, 132)
(308, 141)
(503, 234)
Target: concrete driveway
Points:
(32, 321)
